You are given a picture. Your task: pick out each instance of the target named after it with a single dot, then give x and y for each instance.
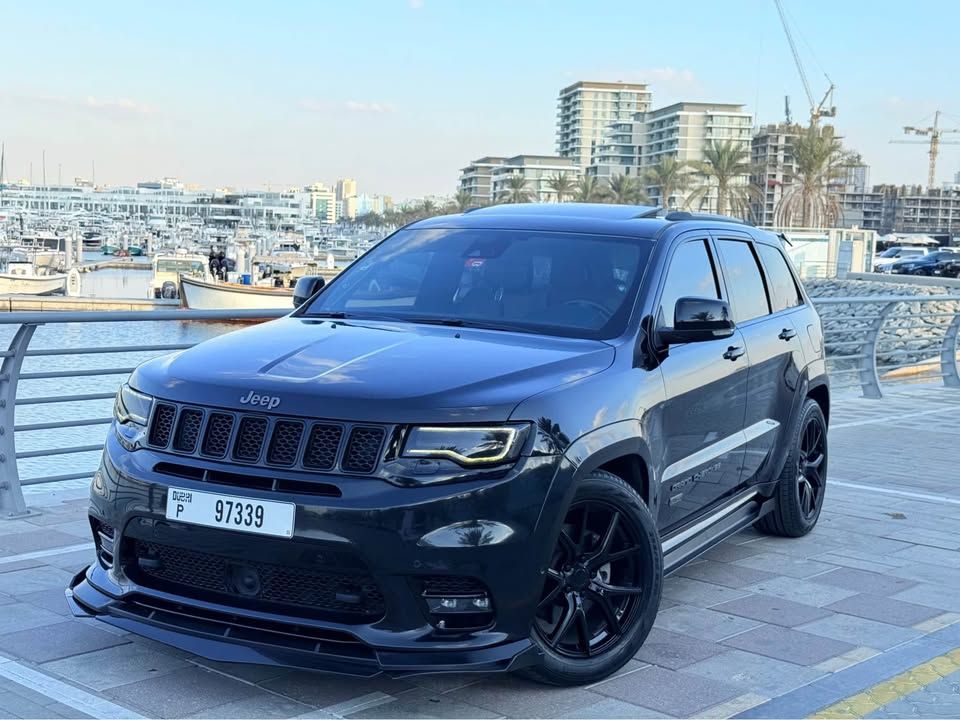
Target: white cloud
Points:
(354, 106)
(415, 4)
(120, 106)
(668, 79)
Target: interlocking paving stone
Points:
(884, 609)
(22, 582)
(702, 623)
(755, 673)
(34, 539)
(790, 645)
(516, 697)
(801, 591)
(446, 682)
(21, 616)
(860, 631)
(52, 642)
(251, 673)
(729, 551)
(864, 582)
(933, 556)
(696, 592)
(784, 565)
(935, 596)
(72, 562)
(52, 600)
(613, 708)
(422, 704)
(673, 651)
(325, 690)
(669, 691)
(729, 575)
(772, 609)
(114, 666)
(261, 705)
(925, 572)
(181, 693)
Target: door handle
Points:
(733, 352)
(787, 334)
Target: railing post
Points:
(869, 379)
(948, 354)
(12, 504)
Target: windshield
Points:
(184, 266)
(890, 252)
(549, 282)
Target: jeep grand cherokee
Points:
(479, 448)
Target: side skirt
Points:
(686, 543)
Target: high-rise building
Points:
(771, 153)
(477, 179)
(586, 109)
(323, 203)
(346, 187)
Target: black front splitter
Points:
(85, 600)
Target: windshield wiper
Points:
(458, 322)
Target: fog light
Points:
(453, 605)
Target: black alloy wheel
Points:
(812, 458)
(601, 588)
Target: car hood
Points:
(371, 371)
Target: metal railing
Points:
(870, 341)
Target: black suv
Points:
(479, 448)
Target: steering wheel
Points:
(605, 312)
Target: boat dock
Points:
(61, 303)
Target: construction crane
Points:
(825, 108)
(935, 132)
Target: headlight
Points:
(466, 445)
(132, 406)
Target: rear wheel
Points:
(602, 589)
(803, 482)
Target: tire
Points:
(803, 481)
(580, 584)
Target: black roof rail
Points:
(650, 212)
(677, 215)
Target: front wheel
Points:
(803, 482)
(602, 589)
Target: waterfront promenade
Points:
(859, 619)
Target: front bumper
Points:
(380, 525)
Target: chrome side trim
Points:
(721, 447)
(675, 541)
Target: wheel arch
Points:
(619, 448)
(820, 393)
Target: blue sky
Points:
(402, 93)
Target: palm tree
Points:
(561, 185)
(516, 190)
(818, 161)
(625, 190)
(670, 176)
(721, 171)
(587, 189)
(463, 201)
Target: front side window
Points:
(690, 274)
(558, 283)
(784, 293)
(744, 280)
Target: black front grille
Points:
(363, 449)
(162, 425)
(451, 585)
(188, 430)
(317, 446)
(174, 568)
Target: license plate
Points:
(262, 517)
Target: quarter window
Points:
(744, 280)
(783, 289)
(691, 274)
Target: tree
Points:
(587, 189)
(463, 201)
(625, 190)
(560, 185)
(670, 176)
(723, 166)
(819, 161)
(516, 190)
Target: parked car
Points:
(885, 260)
(943, 262)
(489, 466)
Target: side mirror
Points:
(698, 320)
(306, 288)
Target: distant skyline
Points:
(400, 94)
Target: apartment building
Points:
(771, 153)
(586, 109)
(476, 179)
(536, 170)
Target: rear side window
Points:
(690, 275)
(784, 293)
(744, 280)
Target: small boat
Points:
(20, 279)
(167, 269)
(201, 295)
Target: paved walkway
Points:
(858, 619)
